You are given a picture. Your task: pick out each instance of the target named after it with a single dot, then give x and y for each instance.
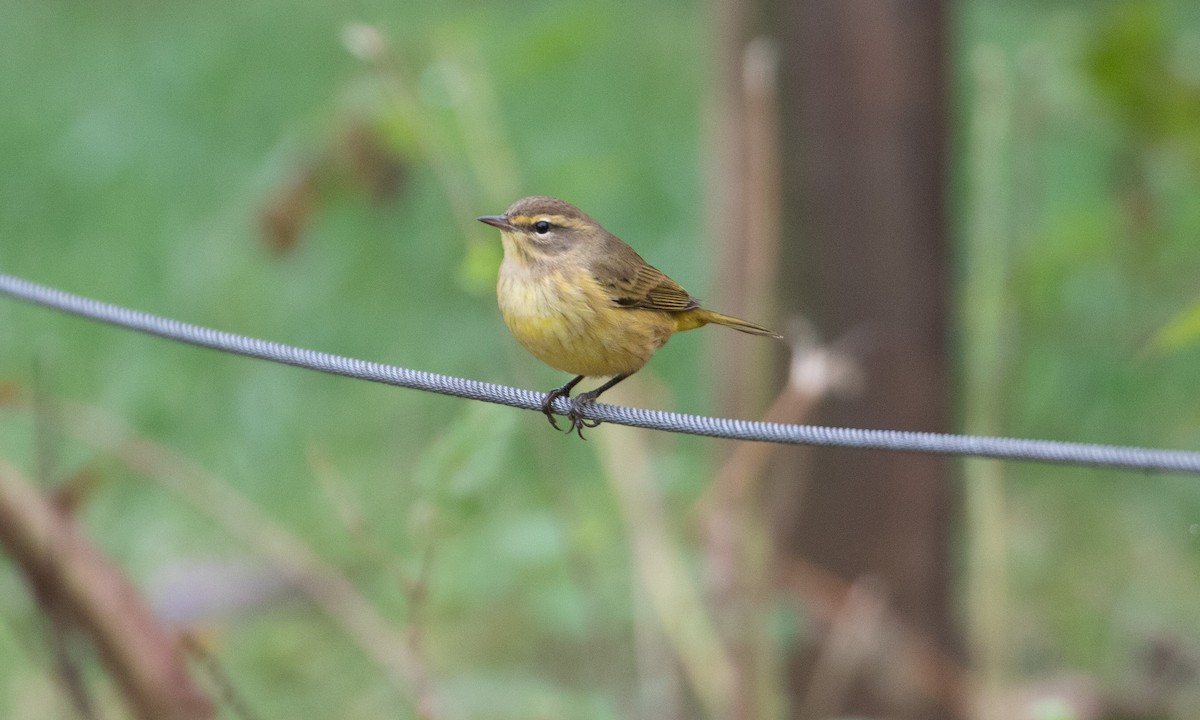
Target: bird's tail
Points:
(700, 316)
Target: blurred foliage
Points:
(1181, 332)
(1100, 181)
(310, 173)
(1138, 66)
(1145, 69)
(262, 167)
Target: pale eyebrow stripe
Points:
(559, 220)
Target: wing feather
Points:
(632, 282)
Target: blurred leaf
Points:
(372, 161)
(283, 217)
(1182, 331)
(1132, 64)
(1127, 62)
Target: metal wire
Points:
(1043, 451)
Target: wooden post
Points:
(864, 85)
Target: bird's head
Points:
(543, 226)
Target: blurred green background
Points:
(310, 173)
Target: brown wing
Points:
(631, 282)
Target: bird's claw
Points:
(548, 405)
(574, 415)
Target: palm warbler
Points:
(584, 302)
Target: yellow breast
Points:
(568, 322)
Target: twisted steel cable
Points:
(1043, 451)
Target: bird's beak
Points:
(497, 221)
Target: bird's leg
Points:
(578, 422)
(562, 392)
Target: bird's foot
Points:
(575, 414)
(578, 404)
(547, 404)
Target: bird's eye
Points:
(541, 227)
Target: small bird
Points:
(584, 302)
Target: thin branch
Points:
(65, 570)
